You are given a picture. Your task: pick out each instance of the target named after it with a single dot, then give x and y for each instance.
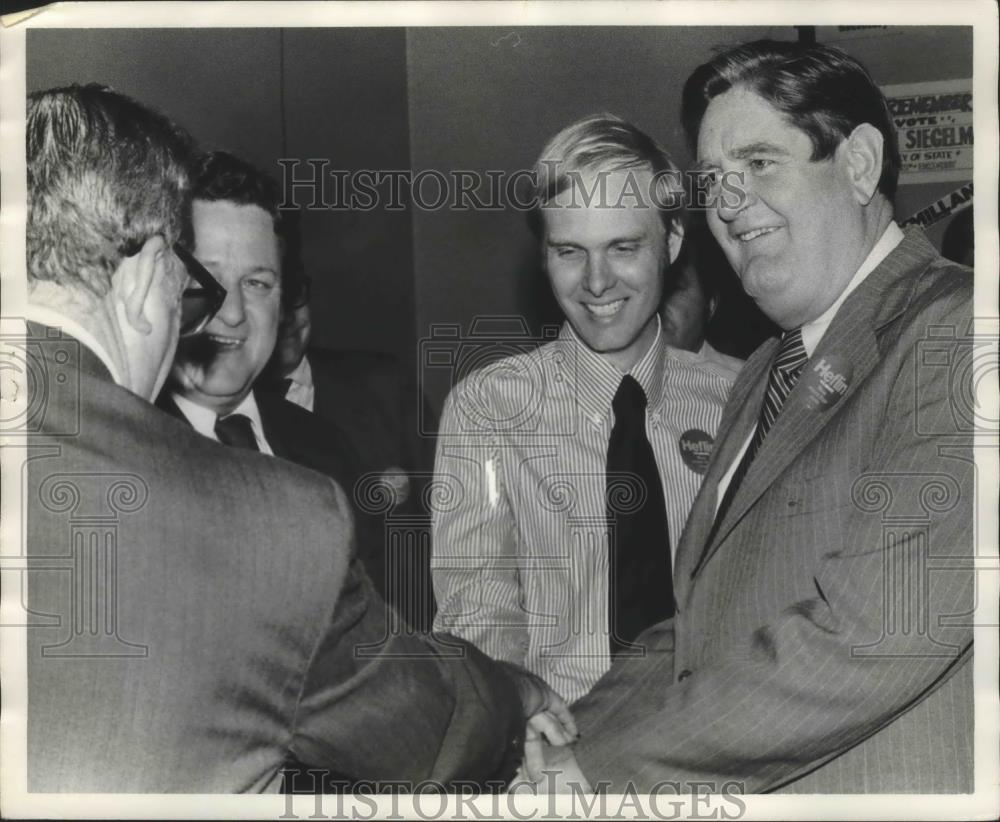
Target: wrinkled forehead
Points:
(739, 120)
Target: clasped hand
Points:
(548, 758)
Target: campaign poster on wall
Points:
(934, 126)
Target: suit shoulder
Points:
(943, 289)
(314, 512)
(300, 488)
(274, 477)
(945, 277)
(303, 481)
(229, 488)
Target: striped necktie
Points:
(785, 371)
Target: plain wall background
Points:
(433, 98)
(336, 94)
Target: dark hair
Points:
(605, 142)
(700, 259)
(221, 176)
(104, 174)
(821, 90)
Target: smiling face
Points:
(605, 261)
(237, 244)
(800, 232)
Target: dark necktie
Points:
(236, 430)
(785, 370)
(641, 591)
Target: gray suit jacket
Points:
(198, 616)
(823, 640)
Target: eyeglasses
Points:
(198, 305)
(296, 291)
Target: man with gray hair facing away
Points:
(207, 618)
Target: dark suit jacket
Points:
(309, 440)
(823, 640)
(371, 399)
(366, 397)
(199, 616)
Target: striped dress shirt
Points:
(520, 546)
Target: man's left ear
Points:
(862, 154)
(674, 241)
(135, 279)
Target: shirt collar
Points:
(597, 380)
(203, 419)
(812, 332)
(301, 374)
(44, 315)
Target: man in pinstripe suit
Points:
(823, 639)
(217, 616)
(524, 556)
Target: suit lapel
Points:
(851, 338)
(798, 424)
(166, 403)
(737, 421)
(276, 434)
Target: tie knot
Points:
(237, 430)
(791, 353)
(630, 400)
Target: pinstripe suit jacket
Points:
(200, 616)
(822, 641)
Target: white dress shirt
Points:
(203, 419)
(813, 331)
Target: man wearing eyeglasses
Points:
(249, 247)
(240, 236)
(195, 613)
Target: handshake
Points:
(549, 763)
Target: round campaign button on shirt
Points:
(825, 380)
(696, 447)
